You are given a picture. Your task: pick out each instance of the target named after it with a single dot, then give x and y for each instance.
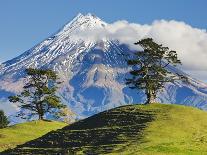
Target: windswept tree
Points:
(149, 68)
(39, 94)
(3, 120)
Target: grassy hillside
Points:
(136, 129)
(21, 133)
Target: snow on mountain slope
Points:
(93, 72)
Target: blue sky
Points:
(24, 23)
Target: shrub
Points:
(3, 120)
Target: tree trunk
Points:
(40, 116)
(41, 113)
(150, 98)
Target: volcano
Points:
(93, 72)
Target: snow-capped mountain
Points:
(93, 72)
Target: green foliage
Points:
(154, 129)
(39, 94)
(149, 71)
(3, 120)
(18, 134)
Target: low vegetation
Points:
(3, 120)
(157, 129)
(18, 134)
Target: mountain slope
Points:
(93, 72)
(135, 129)
(18, 134)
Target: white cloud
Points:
(7, 107)
(189, 42)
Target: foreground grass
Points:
(21, 133)
(156, 129)
(175, 130)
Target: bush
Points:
(3, 120)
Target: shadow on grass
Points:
(99, 134)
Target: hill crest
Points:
(133, 129)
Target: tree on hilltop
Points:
(39, 94)
(149, 68)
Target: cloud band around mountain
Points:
(189, 42)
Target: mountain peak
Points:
(88, 21)
(88, 15)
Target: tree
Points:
(39, 94)
(3, 120)
(149, 68)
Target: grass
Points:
(156, 129)
(175, 130)
(18, 134)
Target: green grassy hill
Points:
(21, 133)
(156, 129)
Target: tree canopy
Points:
(149, 68)
(39, 94)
